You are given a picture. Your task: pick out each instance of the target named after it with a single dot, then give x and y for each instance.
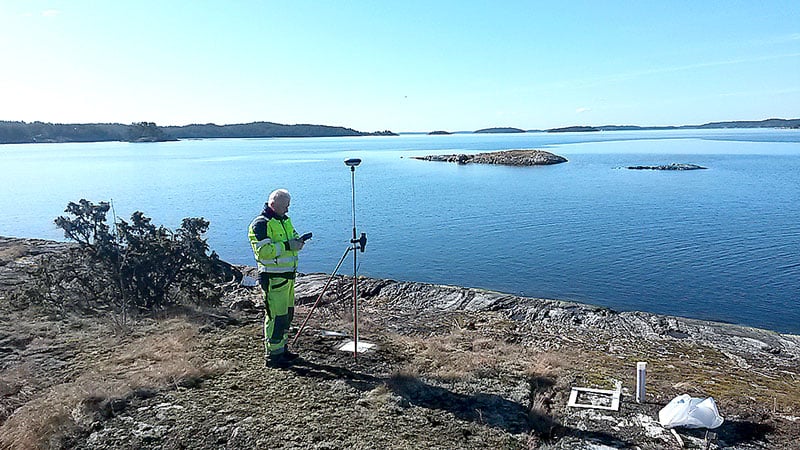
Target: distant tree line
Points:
(768, 123)
(21, 132)
(258, 130)
(264, 130)
(38, 132)
(41, 132)
(147, 132)
(572, 129)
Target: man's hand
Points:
(296, 244)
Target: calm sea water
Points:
(720, 244)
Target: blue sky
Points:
(400, 65)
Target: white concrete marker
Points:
(641, 369)
(363, 347)
(327, 333)
(595, 398)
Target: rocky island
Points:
(453, 367)
(673, 166)
(500, 130)
(574, 129)
(504, 157)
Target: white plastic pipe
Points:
(641, 369)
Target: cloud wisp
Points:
(628, 76)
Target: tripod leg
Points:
(355, 305)
(319, 298)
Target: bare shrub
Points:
(134, 267)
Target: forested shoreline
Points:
(41, 132)
(19, 132)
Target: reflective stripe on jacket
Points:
(271, 250)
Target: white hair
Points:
(279, 194)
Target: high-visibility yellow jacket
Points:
(269, 236)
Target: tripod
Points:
(359, 244)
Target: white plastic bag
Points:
(690, 412)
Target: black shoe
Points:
(289, 356)
(278, 361)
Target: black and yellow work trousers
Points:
(279, 311)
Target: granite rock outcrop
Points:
(505, 157)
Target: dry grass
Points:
(465, 354)
(711, 373)
(165, 358)
(474, 351)
(676, 368)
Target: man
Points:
(275, 245)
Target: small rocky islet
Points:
(530, 157)
(673, 166)
(525, 157)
